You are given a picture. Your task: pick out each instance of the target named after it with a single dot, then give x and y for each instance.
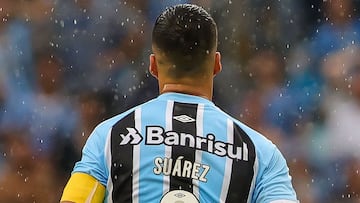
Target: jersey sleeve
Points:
(93, 157)
(274, 182)
(83, 188)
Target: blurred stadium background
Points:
(291, 70)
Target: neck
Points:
(188, 89)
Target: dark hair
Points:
(186, 33)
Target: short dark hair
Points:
(186, 33)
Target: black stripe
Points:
(188, 153)
(242, 171)
(122, 160)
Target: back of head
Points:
(186, 34)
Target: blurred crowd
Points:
(291, 70)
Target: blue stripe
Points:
(216, 174)
(151, 185)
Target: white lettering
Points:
(200, 141)
(195, 171)
(172, 138)
(187, 140)
(245, 152)
(158, 161)
(210, 143)
(167, 166)
(234, 155)
(154, 135)
(177, 167)
(203, 174)
(220, 148)
(181, 168)
(186, 169)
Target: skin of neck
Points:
(200, 84)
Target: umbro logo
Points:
(133, 137)
(179, 195)
(184, 118)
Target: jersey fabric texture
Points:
(180, 142)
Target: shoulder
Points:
(264, 148)
(106, 125)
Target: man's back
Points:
(180, 147)
(179, 143)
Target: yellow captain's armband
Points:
(83, 188)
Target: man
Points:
(180, 147)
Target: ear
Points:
(217, 66)
(153, 67)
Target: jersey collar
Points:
(184, 98)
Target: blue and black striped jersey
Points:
(184, 143)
